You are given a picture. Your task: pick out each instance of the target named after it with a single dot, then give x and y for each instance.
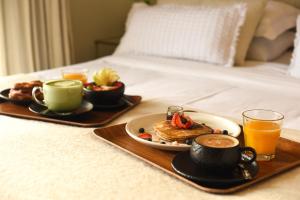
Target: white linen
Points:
(255, 10)
(47, 161)
(278, 18)
(200, 33)
(295, 63)
(263, 49)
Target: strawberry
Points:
(188, 125)
(145, 136)
(173, 122)
(182, 121)
(178, 122)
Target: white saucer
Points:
(147, 122)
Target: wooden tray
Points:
(287, 157)
(95, 118)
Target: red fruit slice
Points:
(188, 125)
(97, 88)
(145, 136)
(177, 122)
(173, 122)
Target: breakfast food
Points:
(22, 91)
(104, 80)
(106, 88)
(180, 129)
(94, 87)
(106, 77)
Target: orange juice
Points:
(75, 76)
(262, 136)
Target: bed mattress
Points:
(46, 161)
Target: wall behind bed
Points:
(93, 20)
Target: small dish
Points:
(148, 121)
(105, 97)
(4, 95)
(43, 110)
(183, 165)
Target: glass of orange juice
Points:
(75, 74)
(261, 131)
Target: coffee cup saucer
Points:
(43, 110)
(183, 165)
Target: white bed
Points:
(47, 161)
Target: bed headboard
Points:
(295, 3)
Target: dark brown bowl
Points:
(108, 97)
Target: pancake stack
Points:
(167, 132)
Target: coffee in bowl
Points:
(217, 141)
(219, 153)
(60, 95)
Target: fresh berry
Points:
(189, 141)
(225, 132)
(141, 130)
(146, 136)
(173, 121)
(183, 120)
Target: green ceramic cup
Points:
(60, 95)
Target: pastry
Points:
(22, 91)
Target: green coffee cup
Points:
(60, 95)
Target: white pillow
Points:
(197, 33)
(278, 18)
(263, 49)
(255, 10)
(295, 62)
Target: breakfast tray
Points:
(95, 118)
(287, 157)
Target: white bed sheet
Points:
(46, 161)
(206, 87)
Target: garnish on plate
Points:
(106, 77)
(104, 80)
(182, 121)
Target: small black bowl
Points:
(108, 97)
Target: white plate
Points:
(147, 122)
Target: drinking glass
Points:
(172, 110)
(75, 74)
(261, 131)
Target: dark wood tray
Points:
(287, 157)
(95, 118)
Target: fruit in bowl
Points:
(106, 88)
